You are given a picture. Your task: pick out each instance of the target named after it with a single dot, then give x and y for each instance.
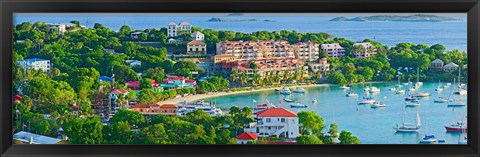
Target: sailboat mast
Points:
(418, 74)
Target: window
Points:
(269, 120)
(283, 120)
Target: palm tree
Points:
(243, 78)
(286, 75)
(234, 75)
(302, 74)
(256, 79)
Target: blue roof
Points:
(34, 60)
(106, 78)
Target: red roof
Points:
(196, 42)
(247, 136)
(189, 81)
(168, 106)
(119, 91)
(74, 107)
(17, 98)
(141, 106)
(276, 112)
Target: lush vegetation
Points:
(312, 127)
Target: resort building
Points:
(367, 50)
(245, 137)
(135, 85)
(197, 47)
(198, 36)
(133, 63)
(114, 97)
(218, 59)
(62, 28)
(174, 30)
(436, 65)
(155, 109)
(322, 65)
(263, 65)
(31, 138)
(178, 82)
(275, 121)
(255, 49)
(306, 51)
(450, 67)
(333, 50)
(35, 63)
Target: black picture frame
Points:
(8, 7)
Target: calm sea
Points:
(371, 126)
(451, 34)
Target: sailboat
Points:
(439, 87)
(455, 102)
(418, 78)
(460, 90)
(408, 127)
(398, 85)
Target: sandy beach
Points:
(193, 98)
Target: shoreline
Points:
(197, 97)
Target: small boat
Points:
(400, 92)
(458, 126)
(366, 89)
(377, 105)
(439, 89)
(428, 139)
(298, 105)
(345, 87)
(413, 103)
(410, 98)
(406, 83)
(440, 100)
(288, 100)
(314, 101)
(285, 91)
(421, 94)
(457, 102)
(392, 89)
(374, 90)
(351, 94)
(299, 90)
(407, 127)
(277, 90)
(461, 91)
(448, 84)
(412, 89)
(367, 101)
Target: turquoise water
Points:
(453, 34)
(371, 126)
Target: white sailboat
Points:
(439, 87)
(418, 78)
(460, 90)
(455, 101)
(408, 127)
(398, 85)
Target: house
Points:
(155, 109)
(35, 63)
(110, 51)
(105, 79)
(113, 98)
(322, 65)
(178, 81)
(198, 36)
(174, 30)
(135, 35)
(367, 50)
(450, 67)
(62, 28)
(276, 121)
(135, 85)
(17, 99)
(133, 63)
(333, 50)
(245, 137)
(31, 138)
(436, 65)
(196, 47)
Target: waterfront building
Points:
(35, 63)
(450, 67)
(135, 85)
(197, 36)
(322, 65)
(264, 65)
(135, 35)
(306, 51)
(197, 47)
(62, 28)
(178, 82)
(133, 63)
(31, 138)
(436, 65)
(174, 30)
(255, 49)
(218, 59)
(275, 121)
(155, 109)
(333, 50)
(243, 138)
(367, 50)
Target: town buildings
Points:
(155, 109)
(117, 98)
(333, 50)
(450, 67)
(255, 49)
(178, 82)
(35, 63)
(306, 51)
(366, 50)
(197, 36)
(322, 65)
(135, 85)
(275, 121)
(196, 47)
(218, 59)
(174, 30)
(264, 65)
(436, 65)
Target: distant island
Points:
(408, 18)
(214, 19)
(235, 14)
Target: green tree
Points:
(310, 122)
(146, 83)
(347, 138)
(309, 139)
(84, 130)
(131, 117)
(146, 96)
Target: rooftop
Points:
(168, 106)
(196, 42)
(33, 60)
(141, 106)
(119, 91)
(276, 112)
(247, 136)
(36, 139)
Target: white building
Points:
(62, 28)
(133, 63)
(450, 67)
(174, 30)
(198, 36)
(276, 121)
(306, 51)
(333, 50)
(367, 47)
(135, 35)
(35, 63)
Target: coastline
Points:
(197, 97)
